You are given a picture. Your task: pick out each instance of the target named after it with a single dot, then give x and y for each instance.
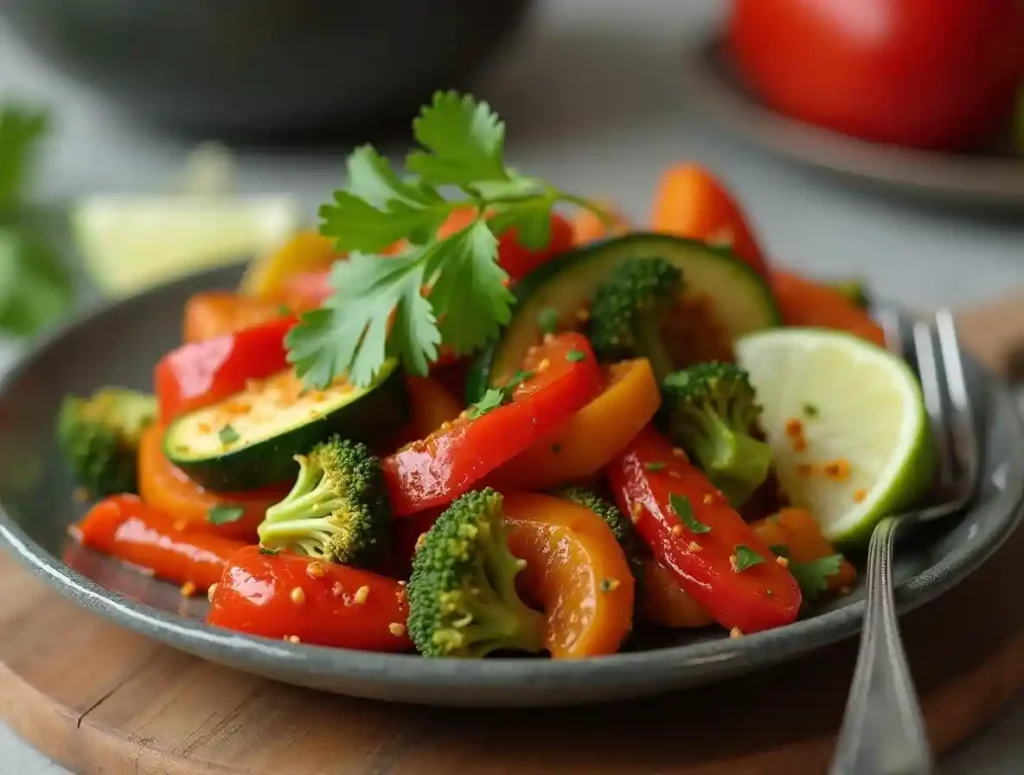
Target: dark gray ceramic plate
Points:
(120, 344)
(992, 177)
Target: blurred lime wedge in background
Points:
(846, 423)
(130, 242)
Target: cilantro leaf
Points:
(377, 309)
(469, 297)
(228, 435)
(813, 576)
(350, 334)
(681, 506)
(493, 399)
(21, 129)
(744, 557)
(531, 219)
(223, 514)
(371, 177)
(547, 319)
(355, 224)
(780, 550)
(466, 140)
(268, 551)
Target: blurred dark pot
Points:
(266, 65)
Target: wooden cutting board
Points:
(99, 699)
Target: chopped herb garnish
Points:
(608, 585)
(267, 550)
(547, 319)
(813, 576)
(519, 378)
(780, 550)
(377, 308)
(223, 514)
(744, 557)
(228, 435)
(681, 506)
(575, 356)
(493, 399)
(655, 465)
(810, 411)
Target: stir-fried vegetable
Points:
(589, 484)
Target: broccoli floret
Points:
(710, 410)
(99, 437)
(628, 308)
(622, 528)
(462, 594)
(337, 510)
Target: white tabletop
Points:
(592, 99)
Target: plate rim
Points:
(410, 671)
(934, 174)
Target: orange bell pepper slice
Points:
(798, 530)
(575, 570)
(215, 313)
(588, 440)
(691, 202)
(165, 488)
(804, 302)
(663, 602)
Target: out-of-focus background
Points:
(184, 133)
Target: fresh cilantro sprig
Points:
(447, 289)
(812, 577)
(35, 286)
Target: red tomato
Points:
(202, 373)
(288, 596)
(441, 467)
(513, 257)
(705, 561)
(921, 73)
(126, 528)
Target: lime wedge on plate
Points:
(846, 422)
(131, 242)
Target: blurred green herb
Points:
(35, 287)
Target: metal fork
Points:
(883, 730)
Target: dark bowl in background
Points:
(266, 66)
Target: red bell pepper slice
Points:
(311, 601)
(434, 471)
(124, 527)
(202, 373)
(706, 556)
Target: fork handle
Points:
(883, 729)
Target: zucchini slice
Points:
(250, 439)
(738, 298)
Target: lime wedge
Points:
(846, 423)
(131, 242)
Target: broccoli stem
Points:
(649, 343)
(746, 470)
(496, 622)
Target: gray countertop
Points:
(592, 99)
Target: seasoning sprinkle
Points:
(297, 595)
(396, 629)
(735, 632)
(316, 569)
(361, 594)
(859, 495)
(211, 592)
(609, 585)
(188, 589)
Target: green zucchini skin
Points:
(569, 280)
(374, 415)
